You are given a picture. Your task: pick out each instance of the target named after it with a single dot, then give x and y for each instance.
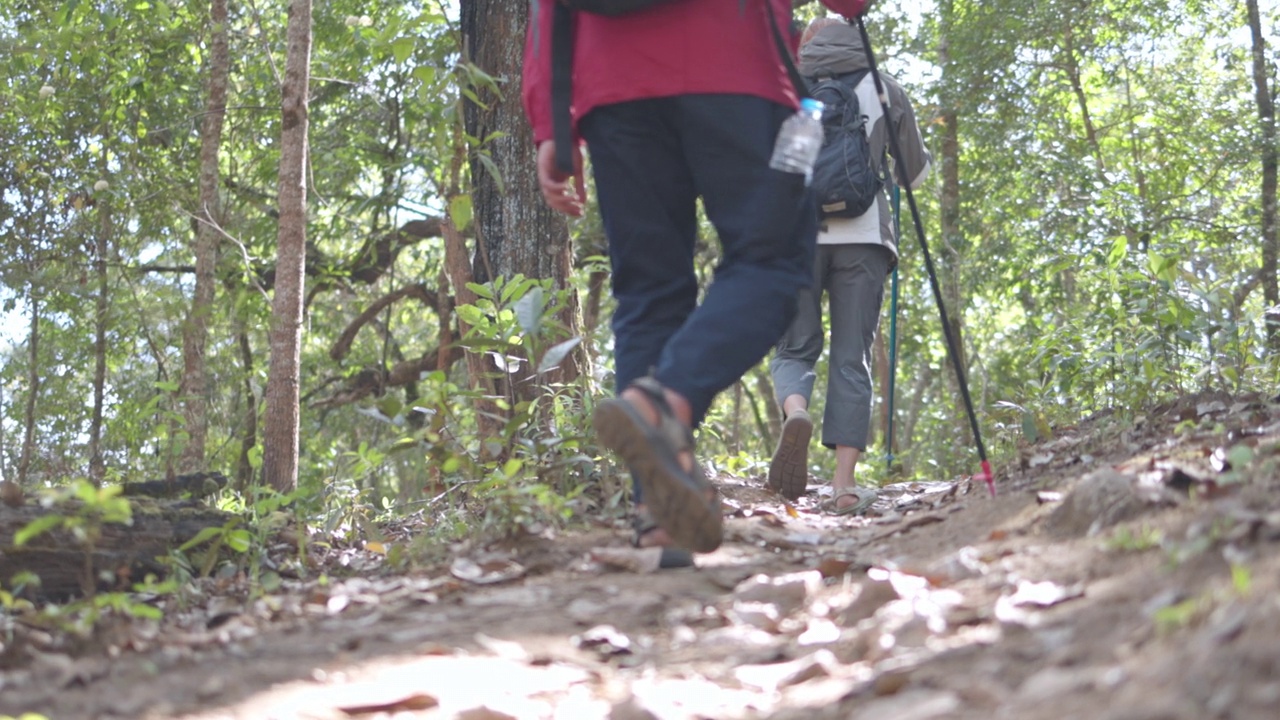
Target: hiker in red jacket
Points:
(679, 101)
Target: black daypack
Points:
(844, 178)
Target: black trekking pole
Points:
(952, 347)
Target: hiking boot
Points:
(789, 469)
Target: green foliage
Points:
(1129, 539)
(89, 509)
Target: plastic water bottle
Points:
(799, 140)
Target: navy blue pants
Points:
(652, 160)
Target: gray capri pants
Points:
(852, 275)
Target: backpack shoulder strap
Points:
(562, 86)
(784, 50)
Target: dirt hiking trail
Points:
(1126, 569)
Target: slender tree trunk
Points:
(517, 232)
(1072, 67)
(102, 311)
(881, 354)
(33, 391)
(918, 393)
(195, 332)
(950, 256)
(1267, 121)
(458, 267)
(765, 441)
(4, 465)
(951, 259)
(249, 433)
(771, 409)
(280, 438)
(595, 298)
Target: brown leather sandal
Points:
(672, 557)
(682, 502)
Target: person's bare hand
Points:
(563, 193)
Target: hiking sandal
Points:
(865, 496)
(682, 502)
(789, 469)
(671, 557)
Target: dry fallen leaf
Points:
(483, 713)
(1040, 459)
(487, 571)
(1044, 594)
(637, 560)
(604, 640)
(833, 567)
(417, 701)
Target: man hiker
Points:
(854, 255)
(676, 101)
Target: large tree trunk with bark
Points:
(280, 437)
(1269, 153)
(516, 231)
(208, 216)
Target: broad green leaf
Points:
(470, 314)
(239, 540)
(402, 48)
(483, 291)
(460, 211)
(425, 74)
(529, 310)
(492, 168)
(557, 353)
(205, 535)
(35, 528)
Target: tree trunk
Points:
(918, 392)
(1267, 121)
(33, 391)
(950, 257)
(4, 468)
(516, 231)
(249, 431)
(195, 332)
(881, 354)
(280, 438)
(102, 312)
(772, 410)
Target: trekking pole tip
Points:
(987, 477)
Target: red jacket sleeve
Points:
(536, 84)
(848, 8)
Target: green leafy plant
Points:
(84, 510)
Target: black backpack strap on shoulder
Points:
(784, 50)
(562, 86)
(855, 77)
